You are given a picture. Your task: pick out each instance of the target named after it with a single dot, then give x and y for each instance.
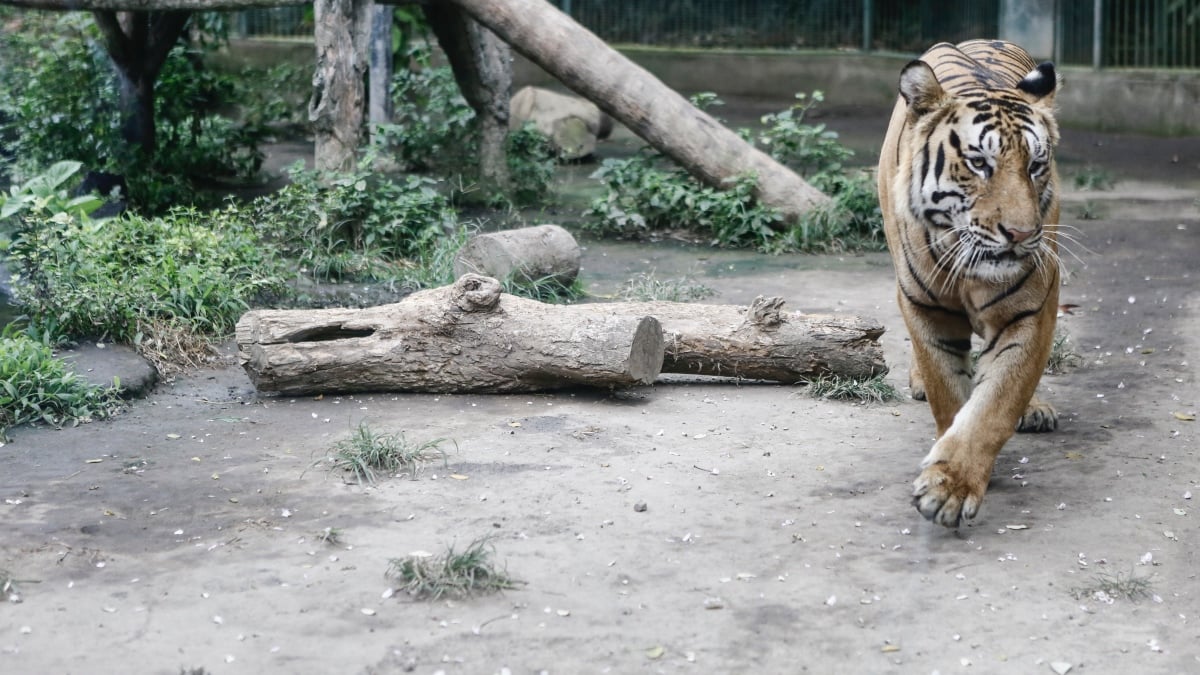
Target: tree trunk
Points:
(468, 337)
(653, 111)
(482, 66)
(341, 32)
(138, 44)
(762, 342)
(379, 78)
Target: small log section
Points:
(468, 338)
(525, 254)
(763, 342)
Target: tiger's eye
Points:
(977, 163)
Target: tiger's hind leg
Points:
(1039, 417)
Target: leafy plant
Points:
(644, 195)
(37, 387)
(646, 287)
(868, 390)
(1093, 179)
(47, 193)
(367, 453)
(355, 225)
(454, 573)
(131, 279)
(1063, 356)
(531, 164)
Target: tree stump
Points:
(468, 338)
(545, 252)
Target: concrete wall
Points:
(1148, 101)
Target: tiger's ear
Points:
(1040, 84)
(920, 88)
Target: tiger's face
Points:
(984, 181)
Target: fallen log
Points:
(468, 337)
(763, 342)
(527, 254)
(572, 124)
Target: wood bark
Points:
(763, 342)
(138, 44)
(468, 337)
(380, 66)
(544, 252)
(482, 65)
(341, 31)
(659, 115)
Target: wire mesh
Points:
(1132, 33)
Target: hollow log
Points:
(468, 337)
(763, 342)
(544, 252)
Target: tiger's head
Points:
(982, 179)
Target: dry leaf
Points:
(655, 652)
(458, 476)
(1185, 417)
(1074, 454)
(890, 648)
(94, 461)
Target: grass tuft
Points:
(1093, 179)
(1120, 586)
(454, 573)
(1062, 354)
(367, 453)
(8, 587)
(646, 287)
(835, 387)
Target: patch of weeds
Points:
(645, 193)
(330, 536)
(1062, 354)
(1091, 210)
(454, 573)
(434, 266)
(545, 289)
(1108, 588)
(836, 387)
(353, 226)
(367, 453)
(8, 587)
(1093, 179)
(37, 387)
(647, 287)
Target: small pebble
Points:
(640, 507)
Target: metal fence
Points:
(1098, 33)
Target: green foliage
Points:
(808, 149)
(353, 226)
(1093, 179)
(37, 387)
(454, 573)
(435, 130)
(646, 287)
(47, 193)
(59, 101)
(644, 195)
(367, 453)
(123, 278)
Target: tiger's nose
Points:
(1015, 235)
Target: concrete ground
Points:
(777, 534)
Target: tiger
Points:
(968, 189)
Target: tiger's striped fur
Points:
(969, 192)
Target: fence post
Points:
(1097, 25)
(868, 12)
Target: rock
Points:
(99, 365)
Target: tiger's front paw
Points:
(1039, 416)
(945, 496)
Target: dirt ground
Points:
(777, 535)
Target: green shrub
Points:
(644, 193)
(127, 278)
(353, 226)
(59, 101)
(36, 387)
